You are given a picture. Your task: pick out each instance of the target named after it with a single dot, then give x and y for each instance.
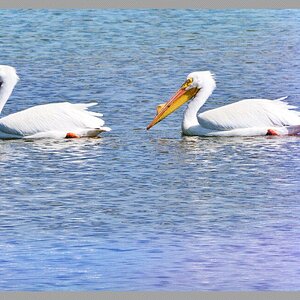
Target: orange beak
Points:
(180, 97)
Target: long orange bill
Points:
(180, 97)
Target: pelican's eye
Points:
(187, 83)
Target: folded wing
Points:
(54, 117)
(250, 113)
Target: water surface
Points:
(138, 210)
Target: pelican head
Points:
(8, 80)
(8, 74)
(194, 82)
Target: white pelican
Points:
(55, 120)
(250, 117)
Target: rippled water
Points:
(138, 210)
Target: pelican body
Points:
(249, 117)
(54, 120)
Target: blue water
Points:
(138, 210)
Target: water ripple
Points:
(138, 210)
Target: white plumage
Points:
(55, 120)
(249, 117)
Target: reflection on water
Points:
(149, 210)
(204, 207)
